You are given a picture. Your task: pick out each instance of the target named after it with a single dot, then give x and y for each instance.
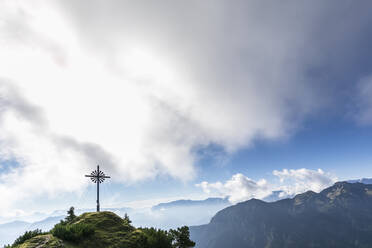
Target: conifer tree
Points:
(126, 219)
(70, 214)
(181, 237)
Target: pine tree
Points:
(181, 237)
(70, 215)
(126, 219)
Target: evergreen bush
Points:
(73, 233)
(26, 236)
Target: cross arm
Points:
(98, 176)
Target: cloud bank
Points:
(137, 86)
(241, 188)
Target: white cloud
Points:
(301, 180)
(68, 104)
(136, 86)
(240, 188)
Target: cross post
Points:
(97, 177)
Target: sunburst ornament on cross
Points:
(97, 177)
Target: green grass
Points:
(41, 241)
(110, 231)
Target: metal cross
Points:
(97, 177)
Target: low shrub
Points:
(157, 238)
(26, 236)
(72, 232)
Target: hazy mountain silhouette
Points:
(363, 180)
(339, 216)
(10, 231)
(46, 224)
(191, 203)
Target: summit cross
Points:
(97, 177)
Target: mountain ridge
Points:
(339, 216)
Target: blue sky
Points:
(337, 147)
(342, 149)
(187, 99)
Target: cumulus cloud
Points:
(301, 180)
(240, 188)
(138, 85)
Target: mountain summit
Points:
(103, 230)
(339, 216)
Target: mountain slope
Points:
(339, 216)
(42, 241)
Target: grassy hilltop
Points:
(106, 230)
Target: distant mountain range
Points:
(10, 231)
(339, 216)
(363, 180)
(192, 203)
